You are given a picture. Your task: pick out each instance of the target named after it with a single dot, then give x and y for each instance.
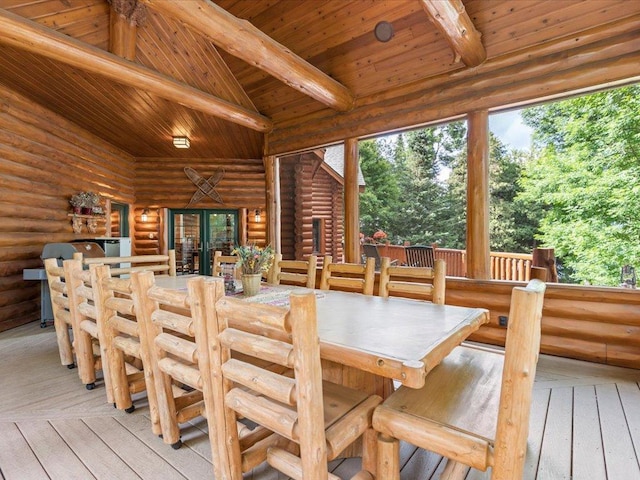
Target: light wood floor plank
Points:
(588, 456)
(620, 456)
(185, 460)
(142, 460)
(17, 460)
(537, 421)
(91, 450)
(56, 457)
(555, 456)
(630, 397)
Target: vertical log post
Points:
(545, 258)
(123, 22)
(272, 187)
(351, 202)
(478, 255)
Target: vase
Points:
(251, 283)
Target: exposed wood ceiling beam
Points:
(241, 39)
(452, 20)
(33, 37)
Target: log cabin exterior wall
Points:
(44, 159)
(308, 192)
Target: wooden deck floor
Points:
(585, 425)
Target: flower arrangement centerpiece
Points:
(252, 262)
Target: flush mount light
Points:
(181, 142)
(383, 31)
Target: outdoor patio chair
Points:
(480, 415)
(293, 272)
(418, 282)
(420, 256)
(348, 276)
(321, 418)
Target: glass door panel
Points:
(223, 234)
(187, 240)
(197, 234)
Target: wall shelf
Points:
(80, 221)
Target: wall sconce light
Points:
(181, 142)
(145, 215)
(257, 217)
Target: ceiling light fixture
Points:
(383, 31)
(181, 142)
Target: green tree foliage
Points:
(586, 180)
(380, 198)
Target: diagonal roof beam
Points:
(452, 20)
(35, 38)
(241, 39)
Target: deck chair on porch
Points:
(348, 276)
(479, 416)
(420, 256)
(321, 418)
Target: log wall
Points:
(597, 324)
(161, 183)
(44, 159)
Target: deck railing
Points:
(504, 265)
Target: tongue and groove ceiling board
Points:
(334, 36)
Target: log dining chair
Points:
(348, 276)
(320, 417)
(170, 360)
(293, 272)
(62, 319)
(420, 256)
(424, 283)
(176, 322)
(121, 334)
(89, 352)
(223, 264)
(474, 407)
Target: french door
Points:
(197, 234)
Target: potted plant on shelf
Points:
(85, 203)
(253, 261)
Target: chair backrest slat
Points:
(295, 272)
(348, 276)
(416, 282)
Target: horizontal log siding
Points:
(44, 159)
(597, 324)
(327, 204)
(288, 207)
(162, 183)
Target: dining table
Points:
(365, 339)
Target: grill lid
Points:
(65, 251)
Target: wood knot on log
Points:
(134, 11)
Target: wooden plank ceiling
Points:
(333, 37)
